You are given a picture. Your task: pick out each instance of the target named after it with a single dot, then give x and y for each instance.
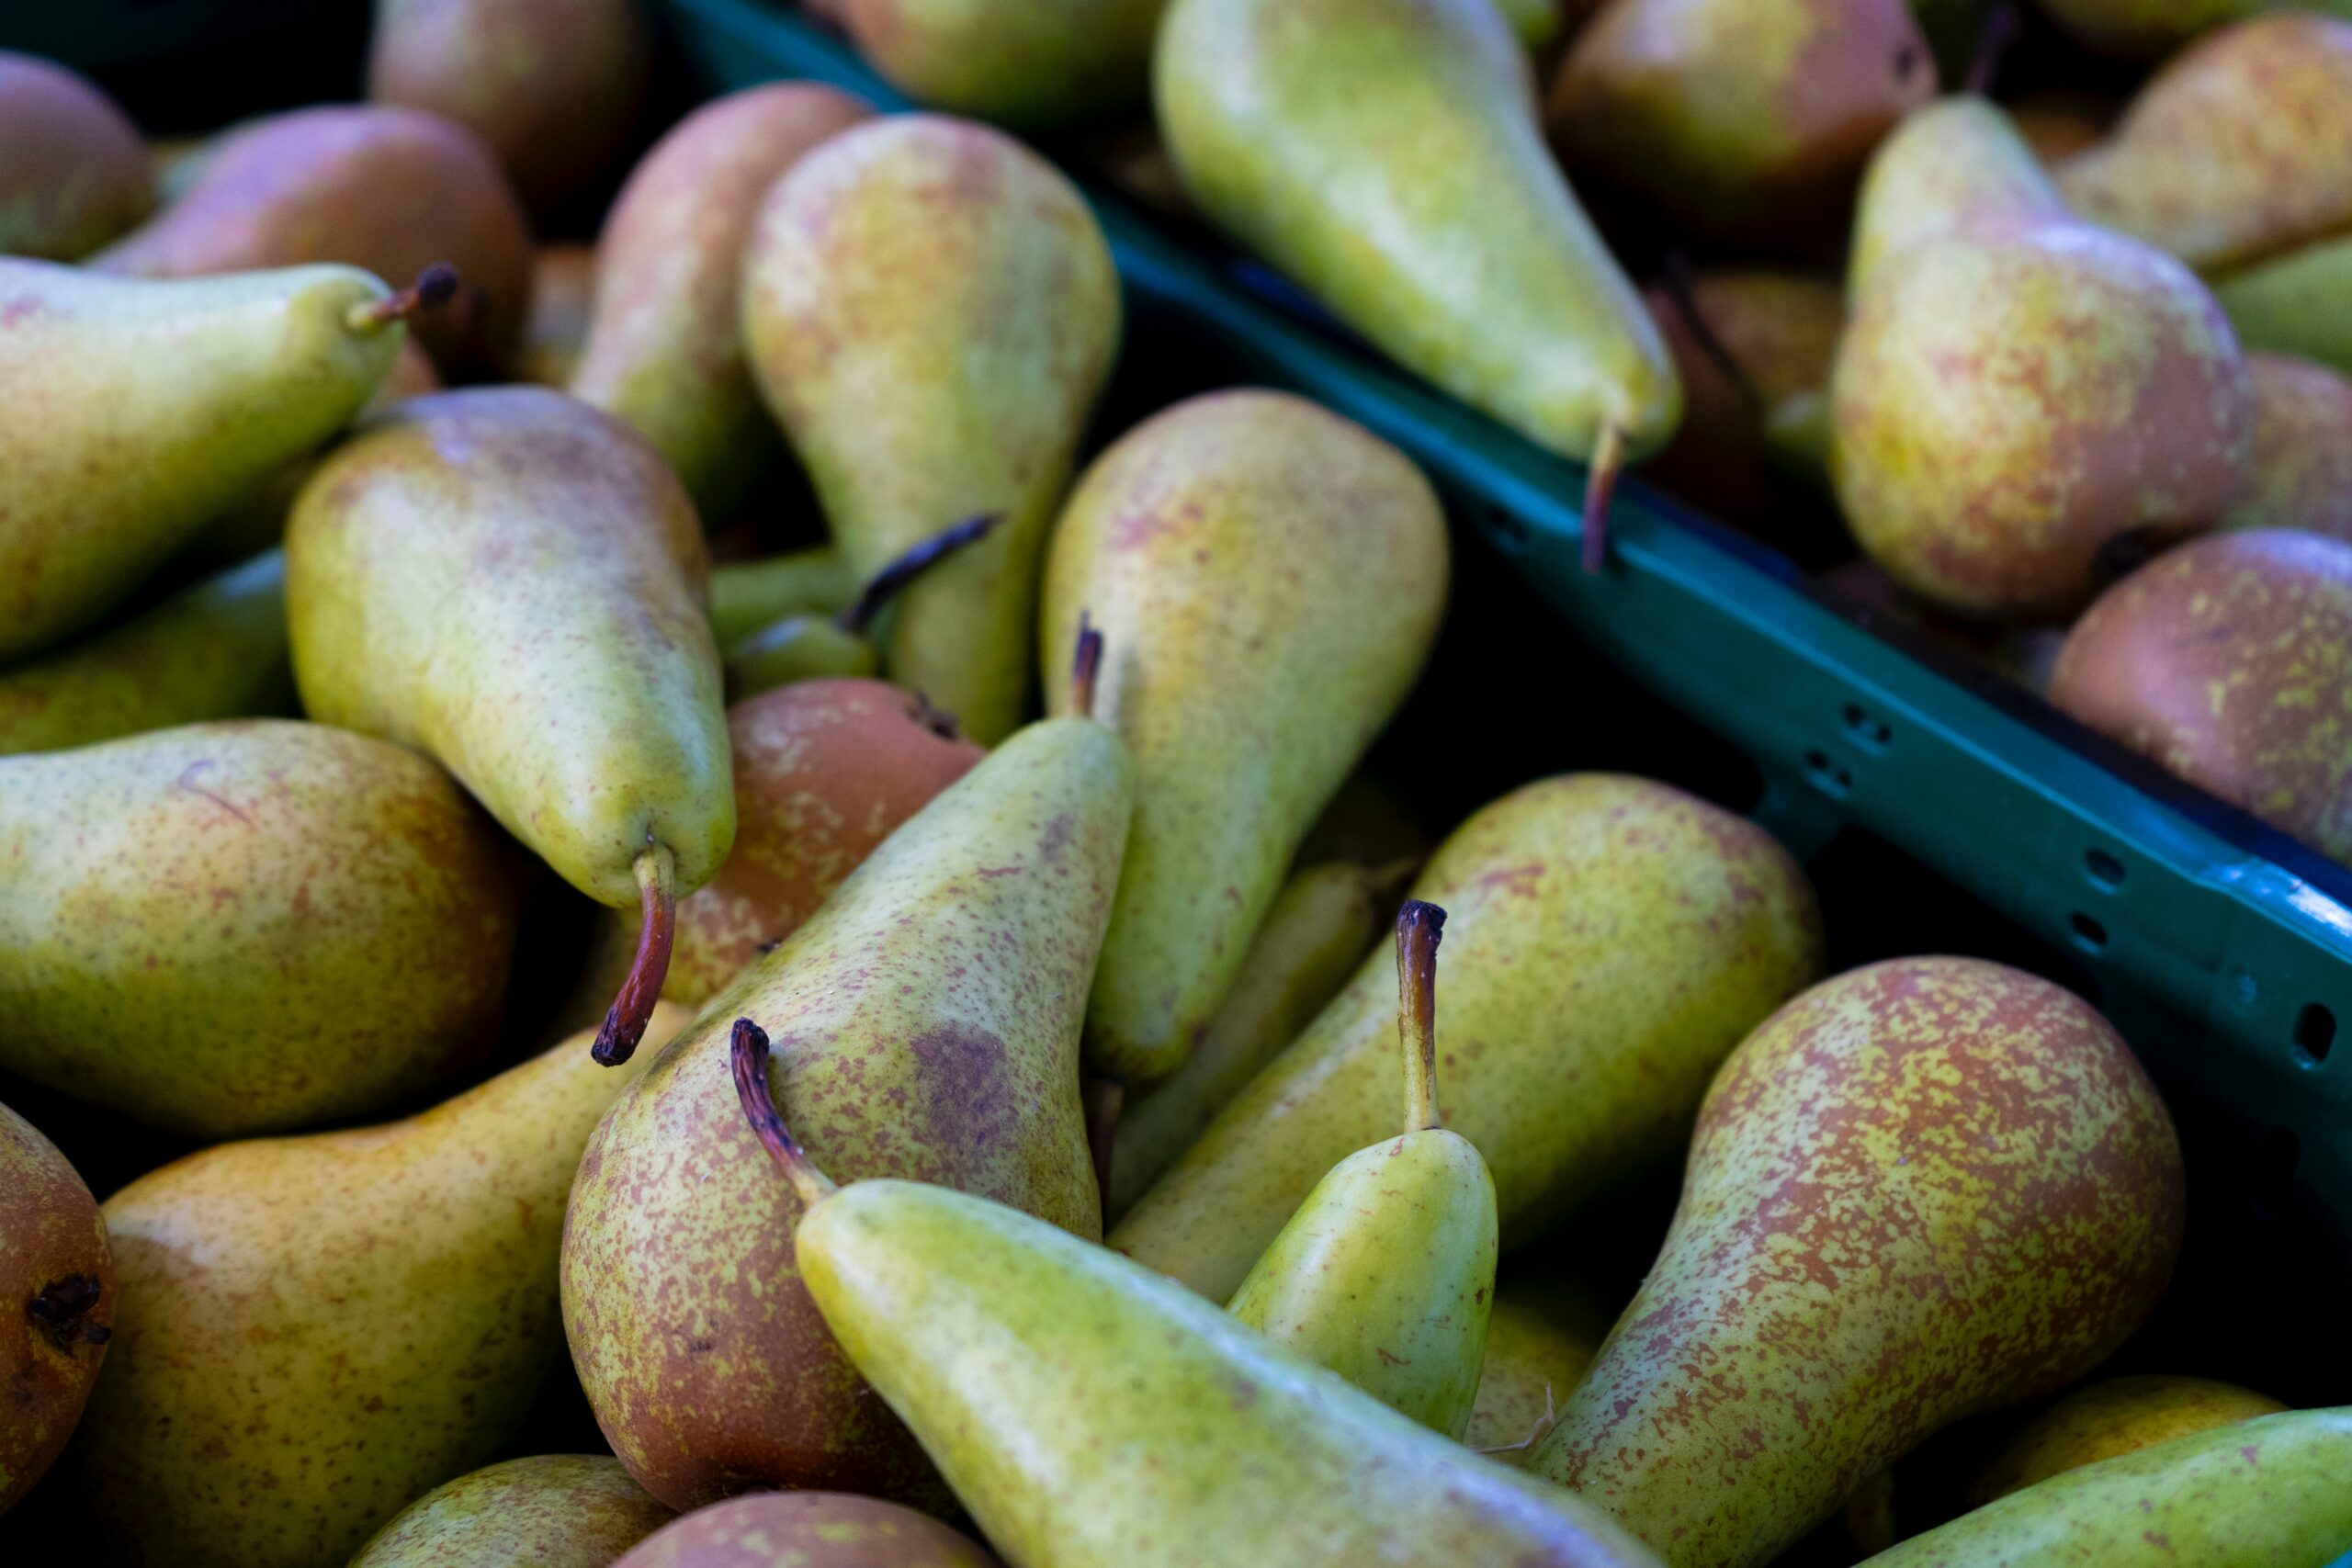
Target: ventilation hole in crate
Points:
(2089, 935)
(2272, 1182)
(2105, 870)
(1826, 776)
(1868, 730)
(2314, 1035)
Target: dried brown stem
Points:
(1419, 926)
(657, 891)
(747, 1059)
(434, 287)
(887, 585)
(1599, 488)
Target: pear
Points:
(2276, 1490)
(2300, 303)
(246, 926)
(748, 595)
(2142, 29)
(1271, 578)
(1088, 1410)
(1924, 1189)
(1322, 923)
(387, 189)
(563, 290)
(808, 1530)
(316, 1330)
(551, 86)
(930, 310)
(2058, 123)
(2018, 389)
(57, 1275)
(664, 347)
(1744, 119)
(511, 581)
(2238, 149)
(2302, 475)
(1539, 1342)
(2223, 661)
(928, 1020)
(1386, 1272)
(2121, 1416)
(73, 173)
(216, 649)
(1609, 941)
(148, 408)
(1537, 22)
(1385, 154)
(1031, 63)
(552, 1511)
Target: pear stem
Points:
(657, 892)
(61, 1312)
(747, 1058)
(434, 287)
(1085, 667)
(1599, 486)
(885, 585)
(1992, 40)
(1682, 291)
(1419, 926)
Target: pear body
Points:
(748, 595)
(73, 171)
(2142, 29)
(808, 1530)
(246, 926)
(1539, 1343)
(2120, 1415)
(665, 339)
(1608, 942)
(215, 650)
(149, 408)
(2300, 303)
(1091, 1412)
(512, 582)
(551, 1511)
(563, 291)
(2300, 476)
(925, 1022)
(387, 189)
(2274, 1490)
(52, 1252)
(1030, 63)
(798, 648)
(930, 310)
(1923, 1189)
(1385, 154)
(1269, 579)
(1954, 165)
(317, 1329)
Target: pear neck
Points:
(1419, 926)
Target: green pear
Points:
(2300, 303)
(216, 649)
(2120, 1415)
(1923, 1189)
(927, 1019)
(511, 581)
(1537, 22)
(1739, 119)
(2277, 1490)
(1088, 1410)
(1386, 1272)
(1539, 1342)
(240, 927)
(664, 349)
(315, 1330)
(160, 405)
(807, 1529)
(57, 1275)
(1385, 154)
(553, 1511)
(930, 310)
(2302, 472)
(748, 595)
(1322, 923)
(1031, 63)
(73, 173)
(2239, 149)
(2018, 389)
(1270, 577)
(1610, 939)
(2144, 29)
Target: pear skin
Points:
(216, 649)
(930, 310)
(2278, 1489)
(926, 1020)
(1033, 64)
(563, 291)
(239, 927)
(2121, 1416)
(748, 595)
(1924, 1189)
(316, 1330)
(1270, 577)
(54, 1260)
(1539, 1342)
(2300, 303)
(551, 1511)
(665, 339)
(1385, 154)
(1608, 940)
(808, 1530)
(152, 407)
(74, 171)
(2301, 471)
(1957, 163)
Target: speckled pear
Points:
(57, 1275)
(1922, 1189)
(550, 1511)
(2300, 476)
(1608, 940)
(316, 1330)
(2120, 1415)
(1270, 577)
(1031, 63)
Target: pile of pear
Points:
(986, 1120)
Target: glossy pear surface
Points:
(551, 1511)
(1269, 579)
(930, 310)
(56, 1278)
(1923, 1189)
(240, 927)
(1954, 165)
(73, 171)
(2121, 1416)
(807, 1529)
(1031, 63)
(2302, 472)
(317, 1330)
(1608, 940)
